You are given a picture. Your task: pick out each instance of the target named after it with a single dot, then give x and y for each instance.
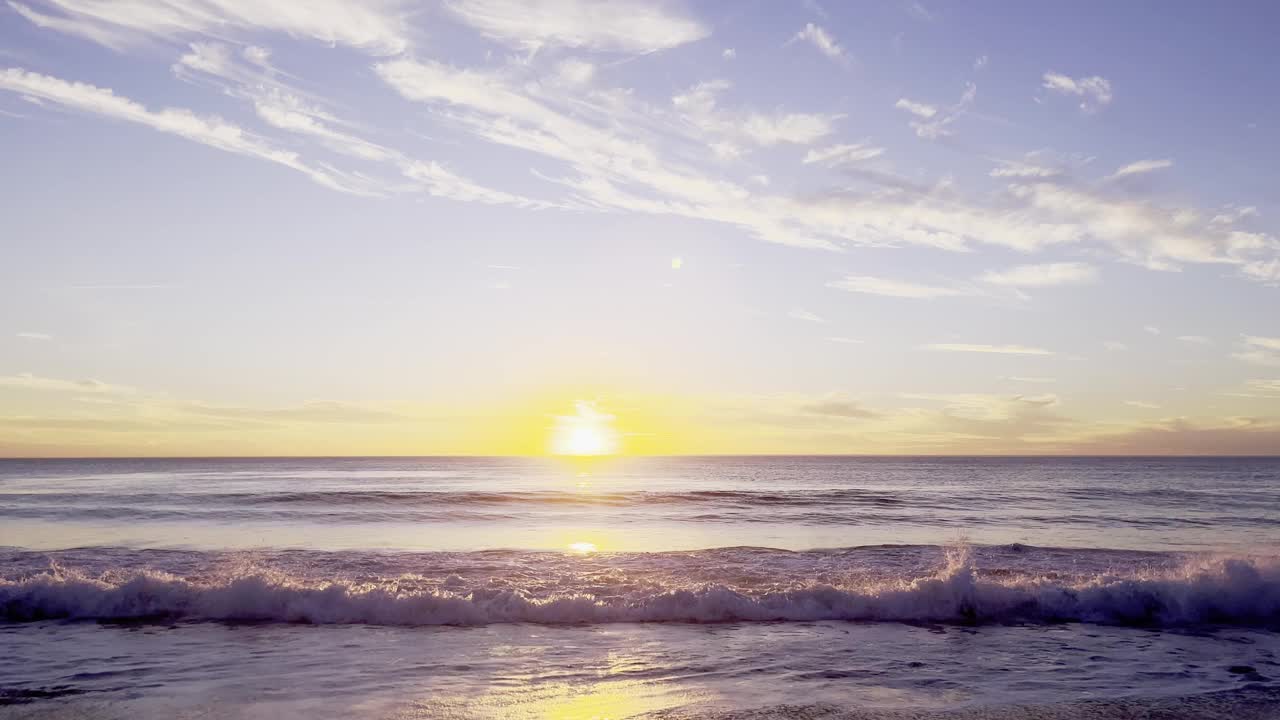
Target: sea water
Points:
(640, 587)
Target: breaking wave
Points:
(1224, 591)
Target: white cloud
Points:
(1027, 379)
(846, 154)
(894, 288)
(729, 54)
(1114, 346)
(805, 316)
(610, 143)
(1197, 339)
(1260, 350)
(1151, 329)
(275, 103)
(994, 349)
(258, 56)
(101, 34)
(573, 71)
(1264, 271)
(1155, 237)
(1046, 275)
(1094, 92)
(605, 25)
(1141, 404)
(1231, 214)
(920, 12)
(616, 170)
(1268, 387)
(28, 381)
(844, 340)
(980, 406)
(34, 336)
(981, 62)
(377, 26)
(439, 181)
(932, 122)
(1142, 167)
(795, 128)
(282, 107)
(211, 131)
(699, 106)
(818, 37)
(289, 112)
(1023, 170)
(919, 109)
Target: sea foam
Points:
(1229, 591)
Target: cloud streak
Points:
(211, 131)
(607, 26)
(1045, 275)
(1094, 91)
(990, 349)
(818, 37)
(894, 288)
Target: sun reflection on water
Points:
(611, 700)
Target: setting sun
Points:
(587, 432)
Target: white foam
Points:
(1236, 591)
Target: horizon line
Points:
(1047, 456)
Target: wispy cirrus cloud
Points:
(1094, 91)
(919, 109)
(1142, 404)
(29, 381)
(1267, 387)
(1023, 170)
(248, 76)
(1141, 167)
(103, 34)
(614, 169)
(806, 316)
(318, 411)
(44, 337)
(1259, 350)
(211, 131)
(992, 349)
(377, 26)
(612, 25)
(844, 154)
(894, 288)
(818, 37)
(611, 150)
(699, 106)
(1044, 275)
(932, 122)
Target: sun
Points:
(588, 432)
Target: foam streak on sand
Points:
(1226, 591)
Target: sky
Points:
(260, 227)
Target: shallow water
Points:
(733, 587)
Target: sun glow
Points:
(588, 432)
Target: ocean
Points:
(723, 587)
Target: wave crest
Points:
(1235, 591)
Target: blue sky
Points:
(239, 227)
